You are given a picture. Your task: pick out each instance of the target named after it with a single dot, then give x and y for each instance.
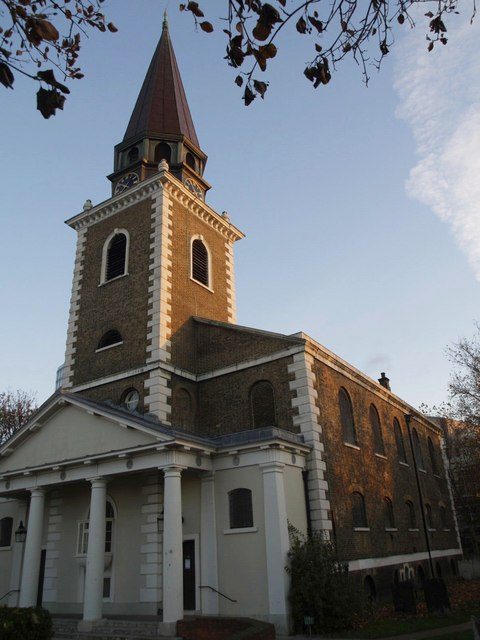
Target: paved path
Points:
(418, 635)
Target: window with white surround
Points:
(115, 256)
(6, 527)
(83, 528)
(240, 508)
(111, 338)
(346, 417)
(200, 262)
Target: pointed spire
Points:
(161, 106)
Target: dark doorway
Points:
(41, 576)
(189, 603)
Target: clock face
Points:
(194, 188)
(126, 182)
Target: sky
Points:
(360, 205)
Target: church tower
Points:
(149, 258)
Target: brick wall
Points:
(360, 469)
(114, 390)
(120, 304)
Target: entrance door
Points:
(189, 603)
(41, 576)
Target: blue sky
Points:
(360, 205)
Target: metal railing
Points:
(9, 592)
(207, 586)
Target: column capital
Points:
(97, 481)
(272, 467)
(37, 491)
(173, 471)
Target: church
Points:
(160, 479)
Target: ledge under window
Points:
(391, 529)
(422, 470)
(352, 446)
(9, 548)
(446, 529)
(241, 530)
(109, 346)
(403, 464)
(414, 529)
(430, 529)
(205, 286)
(361, 528)
(113, 279)
(382, 456)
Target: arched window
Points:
(402, 456)
(116, 254)
(110, 339)
(133, 155)
(190, 160)
(262, 403)
(359, 513)
(443, 517)
(411, 515)
(6, 527)
(453, 567)
(389, 515)
(370, 589)
(163, 151)
(200, 262)
(421, 575)
(417, 449)
(346, 417)
(83, 527)
(433, 457)
(377, 430)
(438, 569)
(182, 407)
(240, 508)
(429, 516)
(130, 399)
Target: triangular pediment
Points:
(70, 432)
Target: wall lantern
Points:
(21, 533)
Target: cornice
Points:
(145, 189)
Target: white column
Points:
(93, 598)
(33, 549)
(208, 546)
(276, 539)
(17, 557)
(172, 546)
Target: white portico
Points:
(121, 512)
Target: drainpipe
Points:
(408, 418)
(307, 501)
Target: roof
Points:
(161, 106)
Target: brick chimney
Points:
(384, 381)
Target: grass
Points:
(384, 622)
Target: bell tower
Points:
(160, 128)
(150, 258)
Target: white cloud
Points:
(440, 100)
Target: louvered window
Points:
(240, 507)
(358, 511)
(116, 256)
(6, 526)
(262, 401)
(346, 417)
(109, 339)
(200, 262)
(377, 430)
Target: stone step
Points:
(113, 629)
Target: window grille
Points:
(109, 339)
(240, 507)
(116, 256)
(389, 515)
(358, 510)
(377, 430)
(200, 262)
(262, 402)
(6, 527)
(346, 417)
(402, 456)
(412, 516)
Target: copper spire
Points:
(161, 106)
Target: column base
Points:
(167, 629)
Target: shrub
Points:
(33, 623)
(321, 586)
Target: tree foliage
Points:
(41, 37)
(337, 29)
(321, 586)
(16, 407)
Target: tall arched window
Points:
(433, 457)
(262, 403)
(190, 160)
(163, 151)
(133, 155)
(346, 417)
(6, 527)
(200, 262)
(402, 456)
(411, 515)
(359, 514)
(417, 449)
(443, 517)
(83, 527)
(115, 257)
(182, 407)
(370, 589)
(429, 516)
(240, 508)
(389, 515)
(376, 430)
(109, 339)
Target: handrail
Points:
(207, 586)
(9, 592)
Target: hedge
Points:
(33, 623)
